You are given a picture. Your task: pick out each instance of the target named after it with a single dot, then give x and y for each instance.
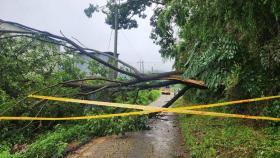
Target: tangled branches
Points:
(135, 79)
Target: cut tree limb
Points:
(177, 96)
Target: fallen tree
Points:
(135, 79)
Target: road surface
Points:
(163, 140)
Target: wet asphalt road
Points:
(163, 140)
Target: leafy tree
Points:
(232, 45)
(30, 65)
(126, 12)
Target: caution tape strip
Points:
(148, 109)
(79, 117)
(192, 112)
(141, 107)
(217, 114)
(99, 103)
(227, 103)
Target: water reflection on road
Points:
(163, 140)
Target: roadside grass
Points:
(227, 137)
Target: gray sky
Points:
(68, 16)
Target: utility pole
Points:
(116, 38)
(140, 67)
(143, 66)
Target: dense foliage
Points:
(232, 45)
(28, 66)
(126, 12)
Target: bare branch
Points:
(141, 81)
(92, 92)
(176, 97)
(52, 41)
(170, 102)
(124, 84)
(32, 31)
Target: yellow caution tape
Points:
(192, 112)
(141, 107)
(227, 103)
(119, 105)
(148, 109)
(80, 117)
(216, 114)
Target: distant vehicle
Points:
(165, 91)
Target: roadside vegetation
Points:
(233, 46)
(206, 136)
(27, 66)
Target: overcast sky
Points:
(68, 16)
